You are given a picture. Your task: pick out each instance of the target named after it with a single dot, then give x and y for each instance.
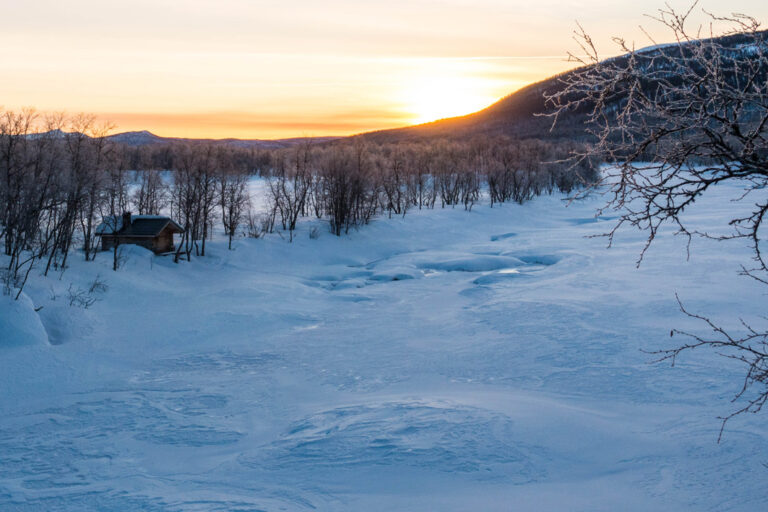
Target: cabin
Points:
(155, 232)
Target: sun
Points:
(429, 98)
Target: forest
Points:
(59, 175)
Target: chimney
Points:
(126, 219)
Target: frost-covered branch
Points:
(675, 121)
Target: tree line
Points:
(351, 182)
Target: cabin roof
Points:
(140, 225)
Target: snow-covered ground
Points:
(445, 361)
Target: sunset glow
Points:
(439, 93)
(265, 69)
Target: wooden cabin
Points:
(155, 232)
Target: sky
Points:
(294, 68)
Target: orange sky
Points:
(271, 69)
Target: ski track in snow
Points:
(488, 360)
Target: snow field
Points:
(447, 360)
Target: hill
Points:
(520, 114)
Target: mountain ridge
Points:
(146, 138)
(523, 113)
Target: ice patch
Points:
(472, 263)
(529, 266)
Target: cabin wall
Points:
(158, 244)
(163, 242)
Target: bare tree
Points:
(393, 171)
(290, 186)
(94, 196)
(22, 197)
(208, 169)
(677, 121)
(185, 199)
(420, 183)
(150, 197)
(234, 201)
(350, 198)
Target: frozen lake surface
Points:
(488, 360)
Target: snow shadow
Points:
(590, 220)
(426, 435)
(503, 236)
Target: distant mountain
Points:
(146, 138)
(515, 115)
(142, 138)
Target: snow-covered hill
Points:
(447, 360)
(520, 114)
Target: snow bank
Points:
(19, 323)
(134, 256)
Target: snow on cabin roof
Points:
(141, 225)
(110, 224)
